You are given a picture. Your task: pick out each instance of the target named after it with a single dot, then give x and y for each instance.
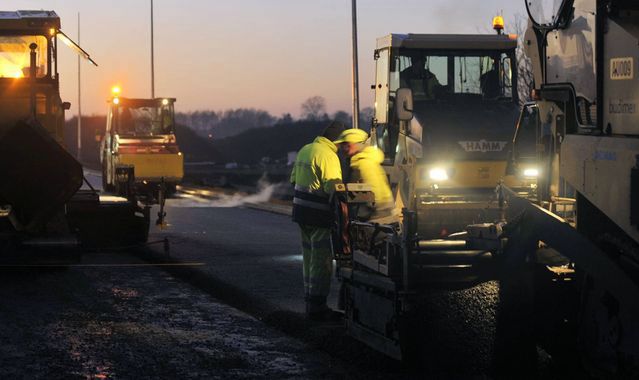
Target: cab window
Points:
(437, 74)
(15, 56)
(381, 86)
(145, 121)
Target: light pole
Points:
(152, 58)
(79, 101)
(355, 68)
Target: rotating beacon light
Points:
(498, 24)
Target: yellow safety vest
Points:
(315, 173)
(366, 166)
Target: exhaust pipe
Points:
(32, 77)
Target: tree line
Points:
(222, 124)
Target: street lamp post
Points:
(79, 100)
(152, 57)
(355, 67)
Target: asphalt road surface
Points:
(115, 316)
(225, 301)
(253, 262)
(256, 251)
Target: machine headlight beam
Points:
(438, 174)
(531, 172)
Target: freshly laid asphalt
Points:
(250, 251)
(113, 316)
(258, 252)
(252, 261)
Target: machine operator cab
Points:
(29, 44)
(140, 134)
(445, 106)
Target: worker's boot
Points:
(341, 297)
(317, 310)
(315, 305)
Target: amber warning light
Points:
(498, 24)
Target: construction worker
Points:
(365, 165)
(420, 80)
(489, 81)
(315, 173)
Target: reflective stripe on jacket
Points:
(315, 173)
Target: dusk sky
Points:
(268, 54)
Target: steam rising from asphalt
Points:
(265, 191)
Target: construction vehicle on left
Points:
(43, 207)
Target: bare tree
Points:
(314, 108)
(366, 118)
(225, 123)
(525, 76)
(285, 119)
(342, 116)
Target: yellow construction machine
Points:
(140, 134)
(445, 107)
(41, 203)
(444, 110)
(566, 256)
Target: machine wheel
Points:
(137, 227)
(106, 187)
(170, 191)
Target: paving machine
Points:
(140, 135)
(566, 257)
(446, 159)
(41, 203)
(586, 148)
(445, 106)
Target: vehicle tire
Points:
(106, 187)
(171, 189)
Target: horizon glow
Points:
(243, 54)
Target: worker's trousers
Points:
(317, 253)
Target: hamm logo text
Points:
(483, 146)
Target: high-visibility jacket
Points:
(366, 168)
(315, 173)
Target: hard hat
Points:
(352, 136)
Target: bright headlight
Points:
(438, 174)
(531, 172)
